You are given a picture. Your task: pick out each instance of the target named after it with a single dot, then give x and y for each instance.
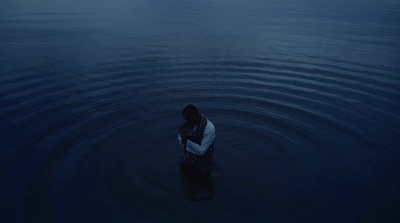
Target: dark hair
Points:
(190, 111)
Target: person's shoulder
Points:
(210, 126)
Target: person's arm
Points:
(208, 138)
(182, 140)
(182, 134)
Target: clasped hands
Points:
(183, 132)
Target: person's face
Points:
(191, 120)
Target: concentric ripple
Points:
(300, 135)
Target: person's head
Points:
(191, 114)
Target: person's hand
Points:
(184, 139)
(184, 130)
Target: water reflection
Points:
(305, 103)
(197, 186)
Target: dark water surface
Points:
(304, 96)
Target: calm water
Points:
(304, 96)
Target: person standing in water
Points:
(196, 136)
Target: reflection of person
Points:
(196, 136)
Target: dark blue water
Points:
(304, 96)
